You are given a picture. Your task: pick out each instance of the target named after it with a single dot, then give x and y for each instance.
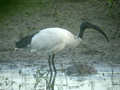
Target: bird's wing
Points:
(46, 40)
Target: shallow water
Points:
(21, 75)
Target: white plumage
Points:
(53, 40)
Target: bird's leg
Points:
(54, 70)
(51, 72)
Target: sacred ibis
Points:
(53, 40)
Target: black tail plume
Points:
(85, 25)
(24, 42)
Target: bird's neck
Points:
(75, 42)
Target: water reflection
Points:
(34, 76)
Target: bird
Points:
(53, 40)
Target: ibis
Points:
(53, 40)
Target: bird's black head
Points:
(24, 42)
(85, 25)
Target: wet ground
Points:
(94, 65)
(34, 76)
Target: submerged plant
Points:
(5, 83)
(39, 77)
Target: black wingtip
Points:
(24, 42)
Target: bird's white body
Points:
(53, 40)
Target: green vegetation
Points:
(113, 7)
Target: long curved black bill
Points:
(86, 25)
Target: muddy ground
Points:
(21, 19)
